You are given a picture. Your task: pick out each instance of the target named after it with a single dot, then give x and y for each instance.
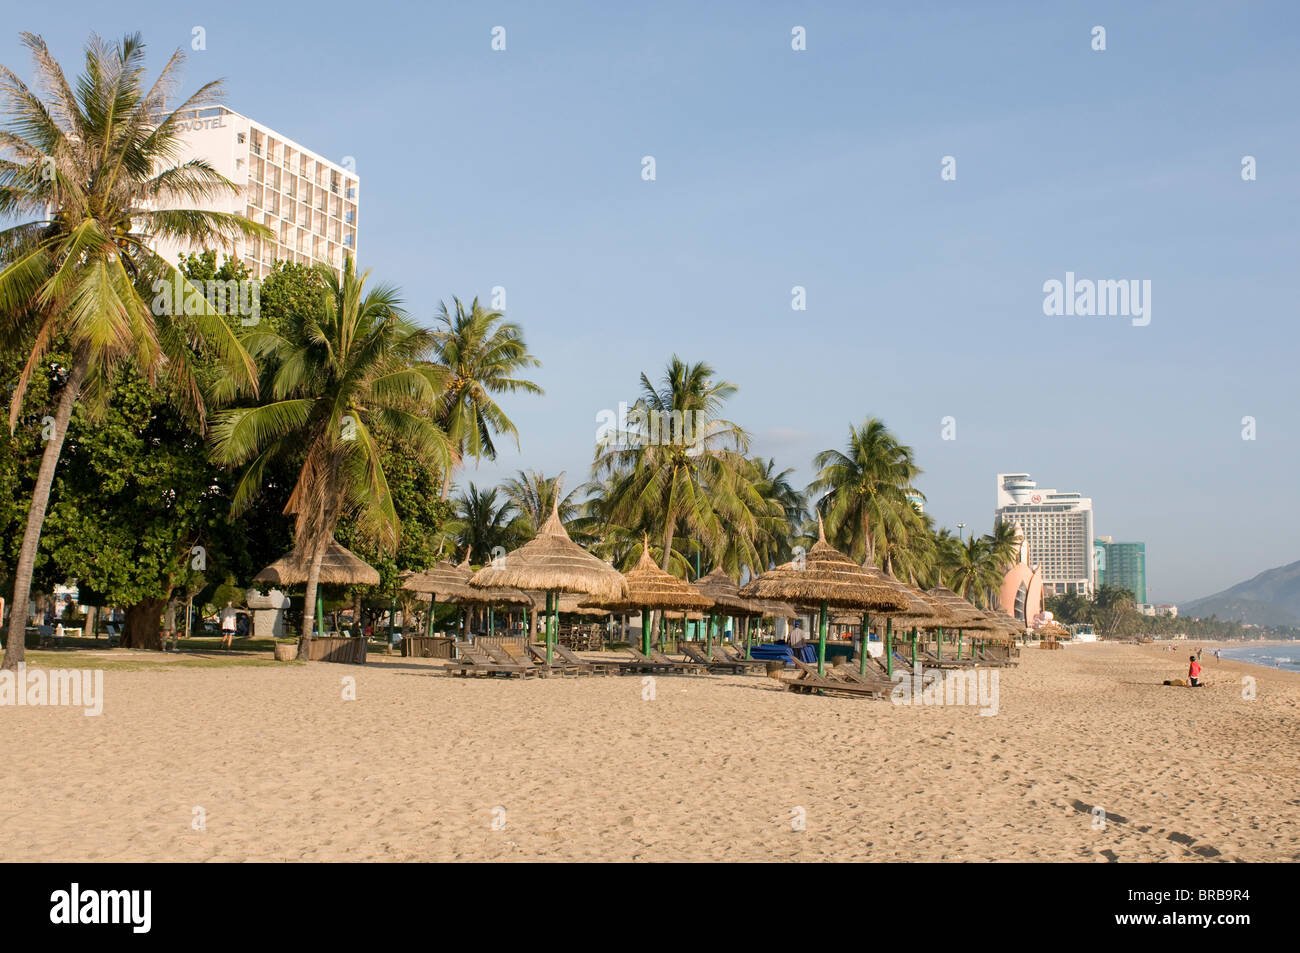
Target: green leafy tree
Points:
(863, 492)
(88, 175)
(337, 379)
(484, 355)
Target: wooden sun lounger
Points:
(680, 667)
(637, 662)
(528, 669)
(474, 661)
(695, 654)
(808, 681)
(724, 653)
(558, 664)
(732, 653)
(933, 661)
(596, 666)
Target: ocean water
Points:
(1285, 657)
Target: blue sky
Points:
(821, 168)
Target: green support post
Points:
(913, 648)
(866, 637)
(938, 647)
(552, 623)
(959, 645)
(822, 624)
(645, 631)
(320, 614)
(889, 647)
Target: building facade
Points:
(309, 203)
(1058, 529)
(1122, 565)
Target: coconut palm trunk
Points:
(15, 648)
(309, 605)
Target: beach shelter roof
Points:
(649, 587)
(445, 581)
(964, 614)
(552, 562)
(339, 567)
(725, 593)
(826, 575)
(498, 596)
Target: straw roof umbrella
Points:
(725, 593)
(829, 579)
(649, 587)
(966, 617)
(339, 566)
(443, 580)
(553, 563)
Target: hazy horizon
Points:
(821, 168)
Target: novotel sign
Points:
(196, 125)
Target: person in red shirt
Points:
(1194, 673)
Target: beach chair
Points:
(933, 661)
(724, 653)
(503, 656)
(808, 682)
(639, 662)
(474, 661)
(558, 664)
(594, 666)
(679, 667)
(696, 654)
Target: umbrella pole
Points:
(645, 631)
(552, 625)
(959, 645)
(913, 648)
(938, 648)
(862, 643)
(821, 639)
(889, 647)
(320, 613)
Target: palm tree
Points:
(1004, 546)
(91, 177)
(483, 353)
(482, 522)
(338, 379)
(974, 575)
(786, 509)
(682, 469)
(531, 494)
(864, 492)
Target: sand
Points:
(420, 767)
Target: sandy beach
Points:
(421, 767)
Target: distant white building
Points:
(1057, 527)
(309, 203)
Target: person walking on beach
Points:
(228, 625)
(1194, 673)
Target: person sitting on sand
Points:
(1194, 673)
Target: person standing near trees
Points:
(228, 624)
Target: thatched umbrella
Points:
(829, 579)
(649, 587)
(725, 593)
(553, 563)
(444, 580)
(339, 567)
(966, 617)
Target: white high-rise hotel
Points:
(308, 202)
(1057, 527)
